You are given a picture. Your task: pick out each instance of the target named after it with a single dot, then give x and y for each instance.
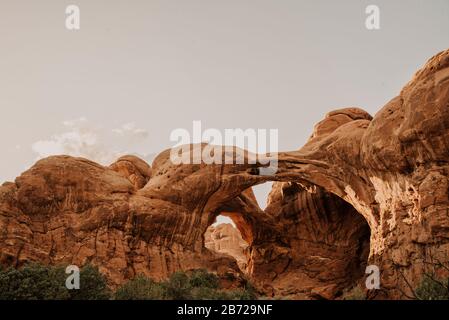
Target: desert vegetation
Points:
(39, 282)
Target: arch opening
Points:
(329, 240)
(224, 237)
(219, 220)
(261, 192)
(309, 242)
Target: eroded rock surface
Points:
(362, 190)
(67, 210)
(226, 239)
(134, 169)
(328, 242)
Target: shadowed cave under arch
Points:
(326, 242)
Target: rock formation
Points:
(68, 210)
(361, 191)
(328, 242)
(134, 169)
(226, 239)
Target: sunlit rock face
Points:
(226, 239)
(137, 171)
(362, 190)
(71, 210)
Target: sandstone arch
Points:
(223, 189)
(130, 218)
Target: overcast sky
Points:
(136, 70)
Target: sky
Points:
(137, 70)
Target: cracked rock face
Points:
(363, 190)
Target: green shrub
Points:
(202, 278)
(199, 285)
(33, 282)
(178, 287)
(93, 285)
(140, 288)
(432, 288)
(355, 293)
(37, 282)
(205, 293)
(247, 293)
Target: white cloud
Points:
(130, 129)
(83, 139)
